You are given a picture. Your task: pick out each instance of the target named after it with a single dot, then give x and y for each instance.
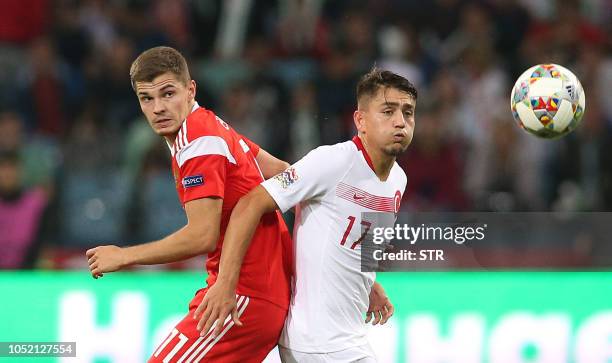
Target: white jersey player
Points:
(331, 187)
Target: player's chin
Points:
(165, 131)
(396, 148)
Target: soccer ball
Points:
(547, 101)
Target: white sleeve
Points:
(309, 178)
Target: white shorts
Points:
(360, 354)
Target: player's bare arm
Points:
(380, 308)
(220, 300)
(198, 237)
(270, 165)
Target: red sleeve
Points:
(253, 146)
(203, 176)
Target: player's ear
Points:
(359, 121)
(191, 89)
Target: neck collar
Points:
(170, 145)
(195, 106)
(361, 148)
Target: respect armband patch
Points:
(193, 181)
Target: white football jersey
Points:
(332, 186)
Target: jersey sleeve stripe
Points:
(244, 145)
(205, 145)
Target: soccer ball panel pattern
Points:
(548, 101)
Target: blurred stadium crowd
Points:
(79, 165)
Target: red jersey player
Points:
(213, 166)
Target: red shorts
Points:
(262, 323)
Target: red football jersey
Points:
(210, 159)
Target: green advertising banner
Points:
(501, 317)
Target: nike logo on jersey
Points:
(361, 197)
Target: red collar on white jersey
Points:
(361, 148)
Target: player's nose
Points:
(400, 120)
(158, 106)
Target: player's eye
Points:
(408, 113)
(168, 94)
(388, 112)
(145, 98)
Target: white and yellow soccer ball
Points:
(548, 101)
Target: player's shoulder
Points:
(330, 161)
(201, 125)
(203, 133)
(203, 122)
(341, 153)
